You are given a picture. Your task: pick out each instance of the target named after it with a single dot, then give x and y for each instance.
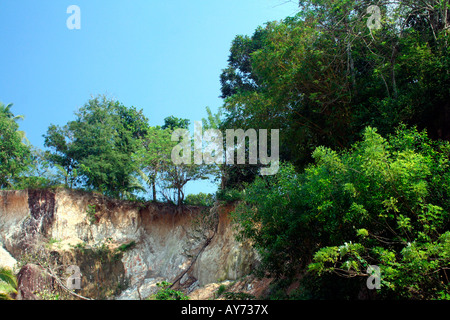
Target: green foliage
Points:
(166, 293)
(221, 290)
(8, 284)
(175, 176)
(200, 199)
(323, 75)
(48, 295)
(14, 152)
(61, 155)
(90, 212)
(96, 149)
(229, 195)
(126, 246)
(384, 202)
(111, 149)
(154, 156)
(173, 123)
(336, 205)
(38, 174)
(102, 251)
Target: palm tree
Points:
(6, 110)
(8, 284)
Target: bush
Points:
(200, 199)
(126, 246)
(221, 289)
(384, 202)
(91, 213)
(35, 183)
(229, 195)
(166, 293)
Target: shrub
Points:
(200, 199)
(229, 195)
(91, 214)
(384, 202)
(166, 293)
(126, 246)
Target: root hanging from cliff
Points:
(61, 284)
(206, 226)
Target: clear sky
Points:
(162, 56)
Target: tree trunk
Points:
(154, 190)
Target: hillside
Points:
(122, 248)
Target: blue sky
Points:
(162, 56)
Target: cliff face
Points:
(121, 248)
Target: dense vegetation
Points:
(108, 148)
(364, 118)
(384, 202)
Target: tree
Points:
(323, 75)
(214, 121)
(38, 173)
(99, 146)
(200, 199)
(384, 202)
(61, 156)
(6, 110)
(239, 76)
(175, 176)
(173, 123)
(154, 156)
(14, 153)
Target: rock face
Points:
(33, 283)
(122, 248)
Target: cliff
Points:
(122, 248)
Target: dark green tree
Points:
(154, 156)
(99, 146)
(175, 176)
(61, 156)
(323, 75)
(14, 152)
(173, 123)
(384, 202)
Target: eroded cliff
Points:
(121, 248)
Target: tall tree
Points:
(14, 153)
(323, 75)
(59, 140)
(100, 145)
(175, 176)
(154, 156)
(173, 123)
(6, 110)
